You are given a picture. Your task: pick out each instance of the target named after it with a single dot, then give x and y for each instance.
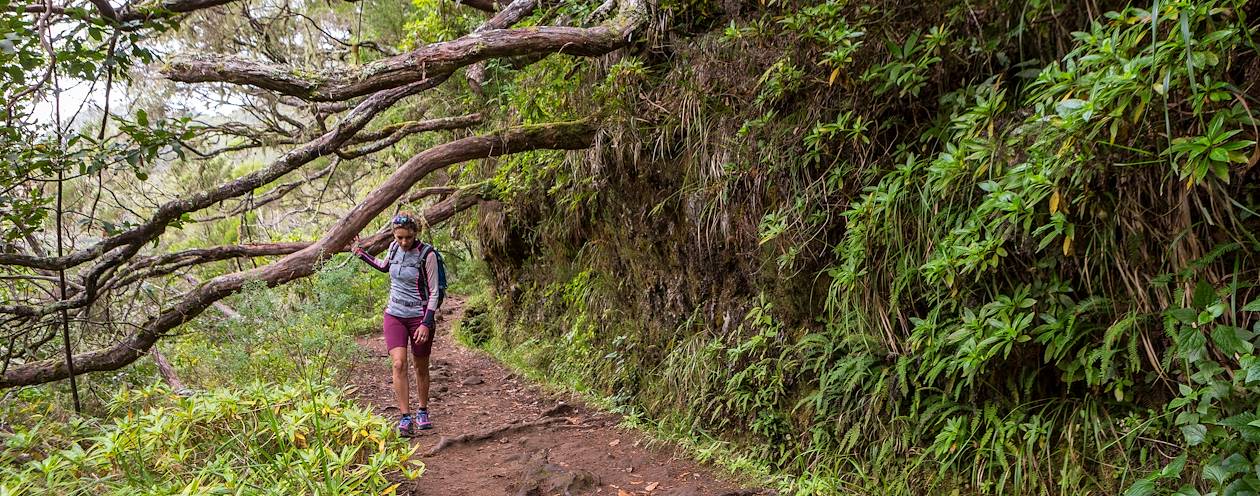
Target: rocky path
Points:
(499, 434)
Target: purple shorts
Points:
(398, 333)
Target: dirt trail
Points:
(498, 434)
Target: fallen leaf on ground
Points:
(614, 442)
(651, 487)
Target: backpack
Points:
(425, 248)
(441, 266)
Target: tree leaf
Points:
(1204, 295)
(1230, 340)
(1143, 487)
(1194, 433)
(1174, 468)
(1253, 371)
(1184, 315)
(1254, 306)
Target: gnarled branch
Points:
(172, 210)
(509, 16)
(482, 5)
(134, 15)
(431, 61)
(390, 135)
(564, 136)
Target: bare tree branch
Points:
(482, 5)
(433, 215)
(509, 16)
(106, 10)
(565, 136)
(392, 134)
(130, 15)
(151, 267)
(203, 255)
(434, 60)
(166, 264)
(422, 193)
(274, 194)
(172, 210)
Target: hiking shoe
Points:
(422, 420)
(406, 425)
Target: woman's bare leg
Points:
(422, 380)
(398, 361)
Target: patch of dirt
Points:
(498, 434)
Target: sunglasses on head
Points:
(403, 220)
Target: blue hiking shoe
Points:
(422, 420)
(406, 425)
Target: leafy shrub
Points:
(304, 331)
(264, 418)
(260, 439)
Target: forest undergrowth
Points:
(958, 247)
(266, 412)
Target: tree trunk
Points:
(167, 372)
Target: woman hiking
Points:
(409, 314)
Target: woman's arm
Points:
(376, 263)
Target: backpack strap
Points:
(425, 249)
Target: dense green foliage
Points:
(261, 439)
(267, 415)
(967, 247)
(995, 247)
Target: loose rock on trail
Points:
(496, 433)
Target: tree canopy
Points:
(276, 97)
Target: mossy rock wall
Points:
(908, 247)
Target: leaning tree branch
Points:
(107, 11)
(422, 193)
(171, 211)
(412, 127)
(89, 283)
(204, 255)
(274, 194)
(160, 265)
(393, 134)
(482, 5)
(506, 18)
(132, 15)
(434, 60)
(562, 136)
(442, 210)
(376, 141)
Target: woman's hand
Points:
(354, 246)
(421, 334)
